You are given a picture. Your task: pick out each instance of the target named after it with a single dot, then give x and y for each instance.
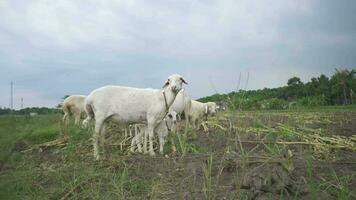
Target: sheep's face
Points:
(212, 108)
(172, 117)
(175, 83)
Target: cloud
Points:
(55, 48)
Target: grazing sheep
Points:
(200, 111)
(127, 105)
(163, 129)
(73, 105)
(212, 108)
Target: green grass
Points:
(52, 173)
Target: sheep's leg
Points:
(97, 137)
(186, 123)
(125, 133)
(64, 117)
(139, 135)
(139, 144)
(77, 119)
(145, 136)
(150, 130)
(136, 141)
(192, 122)
(86, 122)
(195, 126)
(133, 143)
(197, 122)
(103, 138)
(130, 131)
(172, 141)
(161, 143)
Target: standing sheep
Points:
(181, 105)
(200, 111)
(129, 105)
(73, 105)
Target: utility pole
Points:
(21, 103)
(12, 96)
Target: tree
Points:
(294, 81)
(294, 88)
(342, 82)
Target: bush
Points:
(312, 101)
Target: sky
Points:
(51, 48)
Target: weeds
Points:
(207, 186)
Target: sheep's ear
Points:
(185, 82)
(166, 84)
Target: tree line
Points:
(339, 89)
(27, 111)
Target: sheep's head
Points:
(212, 107)
(172, 116)
(175, 83)
(171, 119)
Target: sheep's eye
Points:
(170, 116)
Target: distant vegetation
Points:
(320, 91)
(27, 111)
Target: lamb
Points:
(199, 111)
(73, 105)
(167, 125)
(129, 105)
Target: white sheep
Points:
(73, 105)
(127, 105)
(181, 105)
(199, 112)
(212, 108)
(167, 125)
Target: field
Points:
(295, 154)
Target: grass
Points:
(207, 186)
(212, 165)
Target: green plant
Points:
(207, 170)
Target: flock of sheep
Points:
(148, 111)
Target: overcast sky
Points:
(53, 48)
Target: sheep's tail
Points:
(89, 110)
(90, 114)
(66, 109)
